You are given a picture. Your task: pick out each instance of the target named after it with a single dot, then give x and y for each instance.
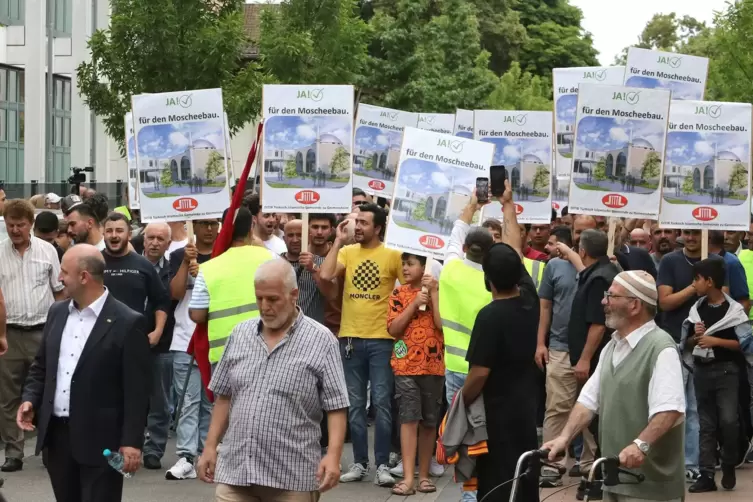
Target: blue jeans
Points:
(453, 382)
(692, 423)
(193, 423)
(158, 421)
(369, 362)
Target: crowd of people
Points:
(523, 335)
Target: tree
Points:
(314, 42)
(688, 185)
(666, 32)
(290, 169)
(600, 171)
(166, 176)
(541, 178)
(502, 33)
(419, 212)
(426, 55)
(518, 90)
(340, 161)
(651, 166)
(739, 178)
(215, 166)
(161, 45)
(369, 164)
(555, 37)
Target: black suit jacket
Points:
(110, 385)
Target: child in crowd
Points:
(712, 337)
(418, 365)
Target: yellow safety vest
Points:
(462, 294)
(746, 258)
(124, 211)
(232, 298)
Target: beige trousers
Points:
(613, 497)
(561, 394)
(256, 493)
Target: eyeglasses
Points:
(608, 296)
(207, 223)
(359, 202)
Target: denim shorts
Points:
(419, 398)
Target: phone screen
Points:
(498, 175)
(482, 189)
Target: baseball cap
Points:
(52, 198)
(69, 202)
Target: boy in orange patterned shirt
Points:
(418, 364)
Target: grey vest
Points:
(623, 414)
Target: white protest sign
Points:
(308, 148)
(379, 132)
(133, 193)
(523, 144)
(464, 123)
(707, 171)
(620, 136)
(437, 122)
(435, 179)
(684, 75)
(180, 155)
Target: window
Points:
(62, 18)
(61, 128)
(12, 12)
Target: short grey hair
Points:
(94, 265)
(161, 225)
(594, 242)
(277, 268)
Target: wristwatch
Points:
(642, 445)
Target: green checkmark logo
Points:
(185, 101)
(317, 94)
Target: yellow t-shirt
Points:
(370, 276)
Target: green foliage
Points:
(419, 212)
(666, 32)
(502, 34)
(163, 45)
(340, 161)
(541, 178)
(688, 187)
(426, 55)
(739, 178)
(290, 171)
(215, 166)
(651, 166)
(600, 171)
(518, 90)
(369, 164)
(314, 42)
(166, 176)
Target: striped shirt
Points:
(310, 298)
(278, 399)
(29, 281)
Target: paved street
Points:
(32, 485)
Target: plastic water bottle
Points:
(116, 461)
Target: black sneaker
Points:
(152, 462)
(594, 493)
(575, 471)
(704, 484)
(729, 480)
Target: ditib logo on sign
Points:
(185, 204)
(376, 185)
(307, 197)
(431, 242)
(555, 206)
(705, 213)
(518, 209)
(614, 200)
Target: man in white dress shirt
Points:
(88, 389)
(638, 393)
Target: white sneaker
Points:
(183, 469)
(356, 472)
(436, 470)
(398, 471)
(383, 477)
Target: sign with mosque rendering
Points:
(437, 122)
(618, 154)
(379, 133)
(435, 179)
(181, 159)
(523, 144)
(682, 74)
(707, 166)
(308, 148)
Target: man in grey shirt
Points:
(556, 293)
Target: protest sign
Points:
(435, 180)
(620, 136)
(464, 123)
(133, 193)
(379, 132)
(684, 75)
(707, 171)
(308, 148)
(523, 144)
(437, 122)
(180, 155)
